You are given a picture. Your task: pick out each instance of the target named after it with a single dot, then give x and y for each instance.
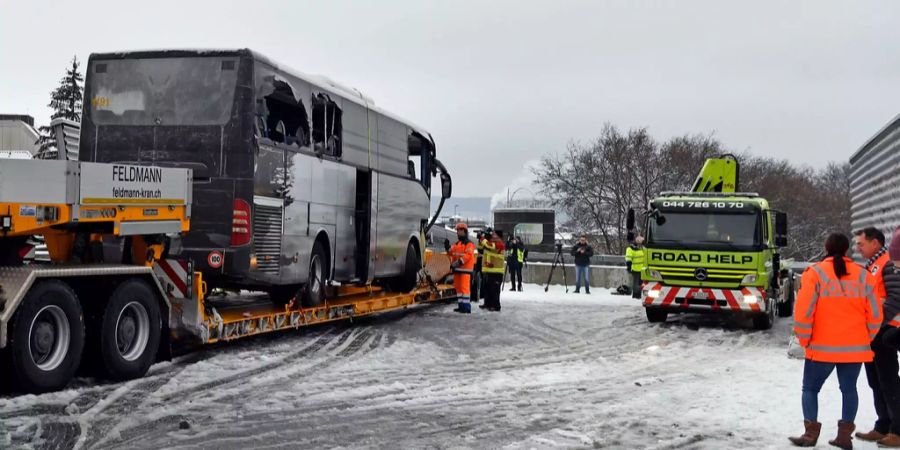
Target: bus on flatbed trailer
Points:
(298, 181)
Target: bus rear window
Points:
(162, 91)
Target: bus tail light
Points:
(240, 223)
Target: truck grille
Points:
(727, 276)
(267, 233)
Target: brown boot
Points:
(844, 440)
(809, 438)
(890, 441)
(871, 436)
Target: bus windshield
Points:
(163, 91)
(704, 229)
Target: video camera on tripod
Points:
(558, 260)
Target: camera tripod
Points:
(558, 260)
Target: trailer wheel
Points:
(130, 331)
(47, 337)
(655, 315)
(314, 292)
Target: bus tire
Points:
(407, 281)
(314, 291)
(655, 315)
(47, 337)
(282, 295)
(130, 331)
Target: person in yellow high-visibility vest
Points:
(636, 261)
(515, 261)
(493, 266)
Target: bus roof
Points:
(319, 81)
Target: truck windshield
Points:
(695, 229)
(162, 91)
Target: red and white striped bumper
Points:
(747, 299)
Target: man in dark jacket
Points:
(582, 251)
(884, 380)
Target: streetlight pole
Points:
(454, 209)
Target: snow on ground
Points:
(552, 370)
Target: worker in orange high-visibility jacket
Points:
(462, 260)
(836, 315)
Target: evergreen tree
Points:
(66, 101)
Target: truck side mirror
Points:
(781, 229)
(629, 225)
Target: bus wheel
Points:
(47, 337)
(407, 281)
(282, 295)
(130, 331)
(656, 315)
(314, 293)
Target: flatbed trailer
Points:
(115, 320)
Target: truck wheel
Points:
(47, 337)
(129, 331)
(766, 320)
(786, 307)
(314, 293)
(656, 315)
(407, 281)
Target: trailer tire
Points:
(655, 315)
(314, 291)
(49, 326)
(130, 331)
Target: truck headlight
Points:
(748, 279)
(653, 293)
(750, 299)
(655, 274)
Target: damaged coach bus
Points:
(298, 181)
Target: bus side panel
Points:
(344, 239)
(402, 205)
(298, 235)
(356, 135)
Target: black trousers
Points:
(885, 383)
(636, 284)
(477, 282)
(492, 287)
(515, 272)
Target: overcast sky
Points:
(499, 83)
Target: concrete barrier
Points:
(601, 276)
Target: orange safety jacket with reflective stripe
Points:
(464, 251)
(836, 320)
(877, 271)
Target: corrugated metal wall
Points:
(17, 135)
(875, 181)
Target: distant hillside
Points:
(475, 207)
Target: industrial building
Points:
(875, 180)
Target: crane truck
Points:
(715, 249)
(115, 320)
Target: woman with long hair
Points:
(836, 315)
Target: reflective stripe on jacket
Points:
(465, 252)
(836, 319)
(493, 261)
(636, 257)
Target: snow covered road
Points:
(552, 370)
